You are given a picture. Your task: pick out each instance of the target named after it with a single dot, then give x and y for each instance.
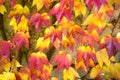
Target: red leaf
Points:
(5, 48)
(63, 60)
(2, 2)
(38, 20)
(97, 3)
(61, 12)
(37, 61)
(12, 2)
(66, 2)
(20, 39)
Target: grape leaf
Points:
(18, 12)
(53, 34)
(43, 44)
(70, 74)
(12, 2)
(2, 9)
(70, 3)
(7, 76)
(41, 3)
(97, 3)
(112, 44)
(5, 48)
(61, 12)
(20, 39)
(79, 7)
(102, 57)
(63, 60)
(21, 26)
(38, 20)
(2, 2)
(37, 61)
(84, 55)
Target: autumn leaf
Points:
(102, 57)
(5, 64)
(5, 48)
(61, 12)
(21, 26)
(43, 44)
(2, 9)
(7, 76)
(53, 34)
(37, 61)
(39, 19)
(98, 20)
(20, 39)
(70, 74)
(2, 2)
(91, 38)
(112, 44)
(79, 7)
(84, 57)
(18, 11)
(12, 2)
(15, 64)
(40, 3)
(63, 3)
(24, 74)
(63, 60)
(97, 3)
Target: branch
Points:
(2, 27)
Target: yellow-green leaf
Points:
(70, 74)
(2, 9)
(102, 57)
(38, 3)
(7, 76)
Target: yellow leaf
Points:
(2, 9)
(26, 9)
(7, 76)
(23, 24)
(15, 64)
(43, 44)
(70, 74)
(54, 78)
(38, 3)
(102, 57)
(94, 72)
(96, 20)
(79, 7)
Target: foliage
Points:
(78, 45)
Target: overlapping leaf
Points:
(39, 19)
(63, 60)
(70, 74)
(69, 3)
(91, 38)
(85, 57)
(61, 12)
(21, 38)
(55, 35)
(5, 48)
(97, 3)
(21, 26)
(18, 12)
(40, 3)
